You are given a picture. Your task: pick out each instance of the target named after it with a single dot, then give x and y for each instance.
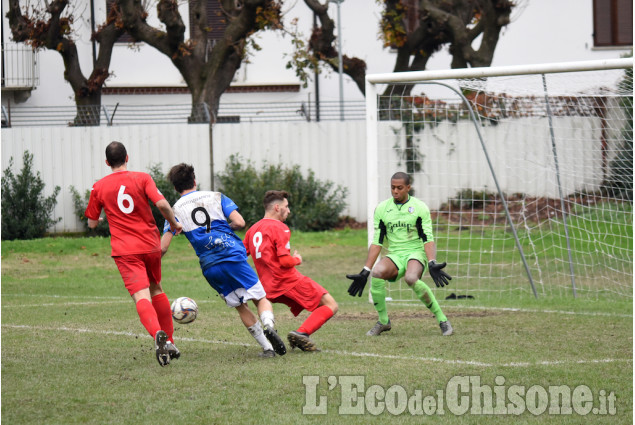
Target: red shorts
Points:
(139, 270)
(306, 295)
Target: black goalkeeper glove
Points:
(440, 277)
(359, 282)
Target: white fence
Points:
(335, 151)
(74, 156)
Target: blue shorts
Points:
(229, 276)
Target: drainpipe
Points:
(92, 29)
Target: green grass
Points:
(74, 351)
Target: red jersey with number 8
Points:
(265, 241)
(124, 196)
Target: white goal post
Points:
(527, 170)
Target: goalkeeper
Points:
(404, 223)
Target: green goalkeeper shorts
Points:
(401, 261)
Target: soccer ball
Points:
(184, 310)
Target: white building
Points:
(541, 31)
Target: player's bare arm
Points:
(236, 220)
(93, 223)
(298, 257)
(431, 250)
(166, 239)
(289, 261)
(373, 253)
(167, 213)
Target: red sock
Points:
(148, 317)
(161, 305)
(316, 319)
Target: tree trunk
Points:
(88, 110)
(207, 66)
(57, 36)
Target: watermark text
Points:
(462, 395)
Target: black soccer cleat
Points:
(161, 347)
(302, 341)
(276, 341)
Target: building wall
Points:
(565, 26)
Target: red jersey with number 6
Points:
(265, 241)
(124, 196)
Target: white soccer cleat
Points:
(379, 328)
(161, 347)
(173, 351)
(446, 328)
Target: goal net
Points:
(527, 171)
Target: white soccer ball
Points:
(184, 310)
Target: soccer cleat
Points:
(267, 354)
(302, 341)
(161, 346)
(446, 328)
(276, 341)
(173, 351)
(379, 328)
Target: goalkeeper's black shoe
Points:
(276, 341)
(173, 351)
(379, 328)
(302, 341)
(446, 328)
(161, 347)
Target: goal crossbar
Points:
(500, 71)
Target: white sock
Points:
(258, 334)
(266, 317)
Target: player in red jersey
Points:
(268, 243)
(135, 242)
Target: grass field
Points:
(74, 351)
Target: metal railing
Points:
(20, 67)
(120, 114)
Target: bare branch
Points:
(322, 44)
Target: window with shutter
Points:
(612, 23)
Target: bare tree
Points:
(322, 46)
(50, 27)
(417, 29)
(207, 67)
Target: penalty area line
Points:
(336, 352)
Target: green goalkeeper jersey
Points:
(405, 227)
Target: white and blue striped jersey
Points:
(203, 215)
